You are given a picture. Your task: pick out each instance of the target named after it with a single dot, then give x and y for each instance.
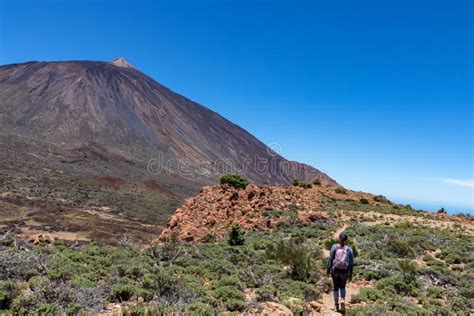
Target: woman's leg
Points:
(343, 282)
(336, 284)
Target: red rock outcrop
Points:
(256, 208)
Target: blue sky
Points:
(378, 94)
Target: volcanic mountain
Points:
(115, 105)
(95, 136)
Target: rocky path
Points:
(352, 288)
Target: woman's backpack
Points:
(341, 258)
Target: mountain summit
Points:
(121, 62)
(114, 105)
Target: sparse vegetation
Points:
(234, 272)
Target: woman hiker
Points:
(340, 264)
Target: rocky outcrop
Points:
(256, 208)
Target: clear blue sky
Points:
(378, 94)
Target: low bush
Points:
(298, 256)
(397, 284)
(317, 182)
(8, 292)
(200, 309)
(399, 247)
(291, 289)
(209, 238)
(236, 235)
(267, 292)
(364, 201)
(435, 292)
(145, 310)
(123, 292)
(305, 185)
(367, 295)
(381, 199)
(407, 266)
(340, 190)
(453, 258)
(235, 181)
(231, 297)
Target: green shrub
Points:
(442, 211)
(147, 295)
(123, 292)
(200, 309)
(340, 190)
(407, 266)
(297, 255)
(296, 182)
(29, 273)
(290, 289)
(381, 199)
(236, 235)
(435, 292)
(317, 182)
(148, 310)
(235, 181)
(364, 201)
(209, 238)
(453, 258)
(399, 247)
(81, 280)
(46, 309)
(367, 295)
(305, 185)
(229, 280)
(8, 292)
(355, 250)
(267, 292)
(397, 284)
(23, 305)
(329, 242)
(231, 297)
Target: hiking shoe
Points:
(336, 306)
(343, 307)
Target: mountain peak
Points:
(121, 62)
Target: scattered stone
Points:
(272, 308)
